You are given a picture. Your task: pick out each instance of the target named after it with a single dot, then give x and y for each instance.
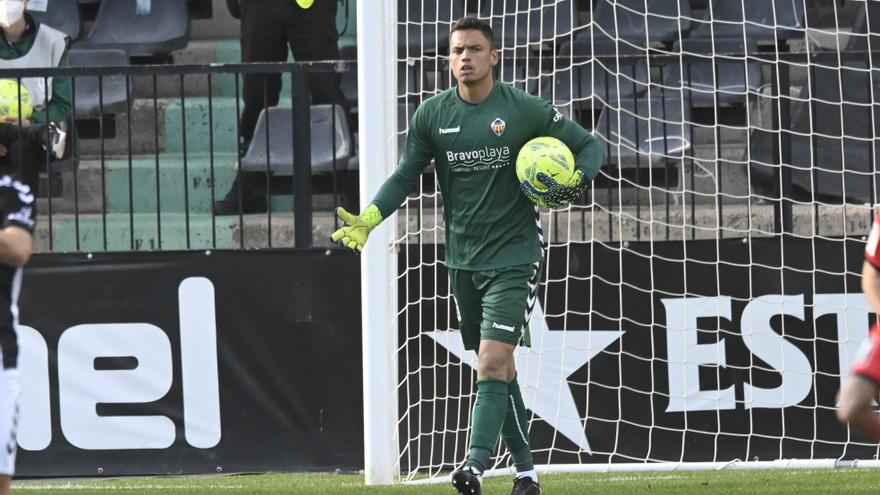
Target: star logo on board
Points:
(498, 126)
(543, 370)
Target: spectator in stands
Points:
(268, 28)
(855, 404)
(28, 44)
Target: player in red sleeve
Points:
(860, 389)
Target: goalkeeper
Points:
(494, 244)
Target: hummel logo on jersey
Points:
(499, 326)
(450, 130)
(498, 126)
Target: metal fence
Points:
(145, 168)
(155, 146)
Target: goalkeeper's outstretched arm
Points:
(415, 158)
(356, 228)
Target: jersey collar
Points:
(463, 104)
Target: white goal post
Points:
(376, 95)
(702, 303)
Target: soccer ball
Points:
(544, 154)
(10, 102)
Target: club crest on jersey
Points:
(498, 126)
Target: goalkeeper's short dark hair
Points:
(474, 23)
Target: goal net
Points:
(701, 303)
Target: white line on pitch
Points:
(639, 478)
(24, 487)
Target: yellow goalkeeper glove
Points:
(356, 229)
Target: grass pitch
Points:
(799, 481)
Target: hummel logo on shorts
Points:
(503, 327)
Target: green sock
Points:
(515, 431)
(489, 412)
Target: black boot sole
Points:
(460, 481)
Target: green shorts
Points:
(495, 304)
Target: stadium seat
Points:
(624, 21)
(518, 68)
(833, 148)
(423, 25)
(165, 28)
(862, 39)
(279, 158)
(91, 99)
(760, 21)
(520, 23)
(833, 133)
(622, 75)
(720, 67)
(435, 77)
(348, 79)
(62, 15)
(412, 80)
(645, 131)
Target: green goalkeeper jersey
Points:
(489, 221)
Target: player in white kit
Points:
(16, 246)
